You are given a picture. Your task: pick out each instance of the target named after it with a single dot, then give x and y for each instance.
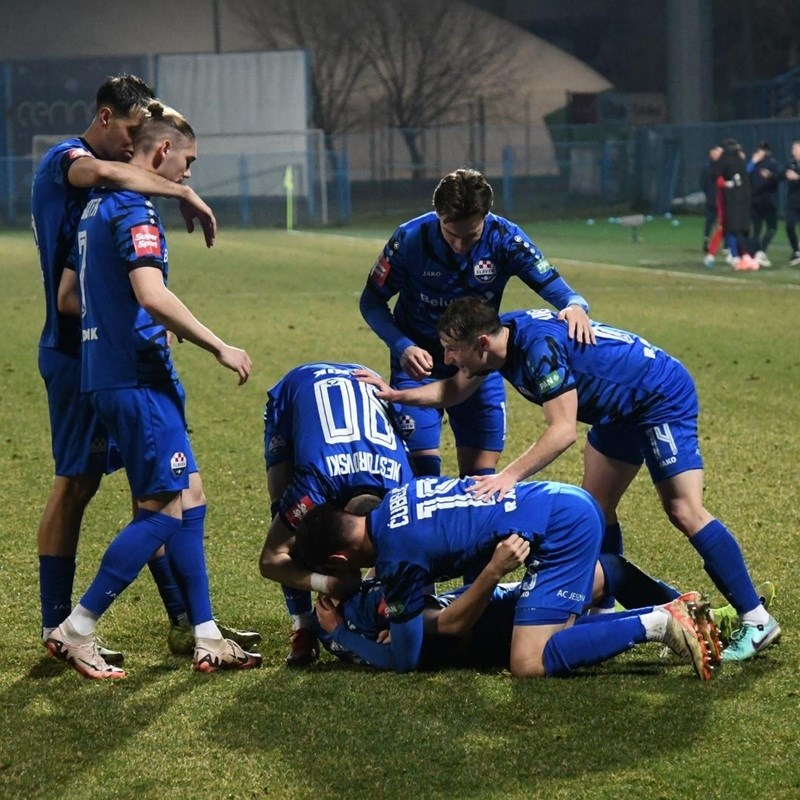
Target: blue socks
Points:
(124, 558)
(298, 602)
(426, 465)
(724, 563)
(188, 561)
(168, 588)
(584, 645)
(632, 587)
(56, 574)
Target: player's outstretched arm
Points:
(461, 615)
(167, 308)
(86, 172)
(561, 415)
(438, 394)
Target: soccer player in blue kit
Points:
(128, 376)
(642, 406)
(326, 439)
(60, 190)
(434, 528)
(459, 249)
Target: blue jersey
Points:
(122, 345)
(338, 435)
(433, 529)
(56, 207)
(622, 379)
(487, 644)
(420, 267)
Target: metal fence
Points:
(561, 170)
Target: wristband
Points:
(319, 582)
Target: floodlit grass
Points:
(634, 727)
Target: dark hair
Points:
(123, 93)
(320, 534)
(462, 194)
(467, 318)
(157, 123)
(764, 145)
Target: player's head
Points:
(466, 329)
(714, 152)
(462, 200)
(765, 146)
(330, 538)
(165, 142)
(796, 149)
(120, 103)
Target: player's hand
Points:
(236, 360)
(193, 206)
(385, 392)
(328, 613)
(579, 326)
(487, 486)
(384, 636)
(342, 584)
(510, 554)
(792, 175)
(417, 362)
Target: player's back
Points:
(339, 429)
(122, 345)
(439, 525)
(620, 378)
(56, 207)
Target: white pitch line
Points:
(671, 273)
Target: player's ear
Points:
(483, 342)
(104, 114)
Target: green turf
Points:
(635, 727)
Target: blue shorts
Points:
(560, 570)
(79, 439)
(479, 422)
(149, 427)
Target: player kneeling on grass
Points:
(434, 528)
(128, 376)
(327, 439)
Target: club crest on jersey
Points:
(146, 240)
(406, 425)
(295, 514)
(485, 271)
(178, 463)
(380, 272)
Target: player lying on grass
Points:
(434, 528)
(642, 406)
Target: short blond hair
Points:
(157, 122)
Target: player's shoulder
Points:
(411, 230)
(73, 149)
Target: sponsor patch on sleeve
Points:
(295, 514)
(380, 272)
(146, 241)
(78, 152)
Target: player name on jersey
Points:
(349, 463)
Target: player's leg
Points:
(421, 428)
(682, 498)
(479, 427)
(792, 215)
(80, 452)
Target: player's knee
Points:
(687, 517)
(527, 666)
(76, 491)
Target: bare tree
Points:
(330, 31)
(431, 57)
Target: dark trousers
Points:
(764, 215)
(792, 218)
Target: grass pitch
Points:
(635, 727)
